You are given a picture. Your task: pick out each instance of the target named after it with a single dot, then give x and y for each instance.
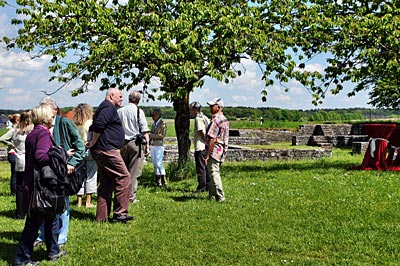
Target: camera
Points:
(140, 140)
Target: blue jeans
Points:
(29, 234)
(157, 156)
(63, 224)
(12, 158)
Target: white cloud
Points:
(311, 68)
(298, 91)
(240, 98)
(15, 91)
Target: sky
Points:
(22, 80)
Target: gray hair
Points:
(157, 111)
(112, 90)
(41, 114)
(134, 97)
(48, 101)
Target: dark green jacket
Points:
(72, 139)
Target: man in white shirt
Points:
(134, 122)
(200, 125)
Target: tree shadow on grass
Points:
(8, 214)
(182, 198)
(286, 165)
(82, 215)
(185, 198)
(7, 250)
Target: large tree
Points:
(174, 44)
(361, 41)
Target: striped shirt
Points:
(218, 129)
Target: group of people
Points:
(114, 142)
(211, 145)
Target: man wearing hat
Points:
(216, 145)
(200, 125)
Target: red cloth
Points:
(394, 147)
(378, 133)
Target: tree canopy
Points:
(171, 46)
(361, 40)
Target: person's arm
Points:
(160, 131)
(210, 149)
(200, 125)
(43, 145)
(146, 136)
(98, 125)
(93, 141)
(73, 142)
(76, 143)
(6, 138)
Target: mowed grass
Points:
(311, 212)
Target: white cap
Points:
(216, 101)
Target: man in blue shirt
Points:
(113, 176)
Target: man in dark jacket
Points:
(108, 138)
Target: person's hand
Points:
(147, 152)
(89, 144)
(70, 169)
(70, 152)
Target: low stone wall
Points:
(238, 154)
(253, 137)
(359, 147)
(277, 154)
(267, 134)
(337, 141)
(3, 154)
(248, 141)
(300, 140)
(330, 129)
(234, 141)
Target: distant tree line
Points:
(276, 114)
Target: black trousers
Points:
(201, 170)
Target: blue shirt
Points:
(106, 122)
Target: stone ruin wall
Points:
(339, 135)
(259, 137)
(305, 135)
(239, 155)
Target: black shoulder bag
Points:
(76, 179)
(139, 138)
(48, 195)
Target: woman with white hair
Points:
(37, 144)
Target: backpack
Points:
(50, 182)
(76, 179)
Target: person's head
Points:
(43, 115)
(82, 113)
(114, 95)
(216, 105)
(195, 108)
(25, 124)
(50, 102)
(156, 114)
(14, 118)
(134, 97)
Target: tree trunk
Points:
(182, 124)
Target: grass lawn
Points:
(277, 213)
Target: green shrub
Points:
(181, 170)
